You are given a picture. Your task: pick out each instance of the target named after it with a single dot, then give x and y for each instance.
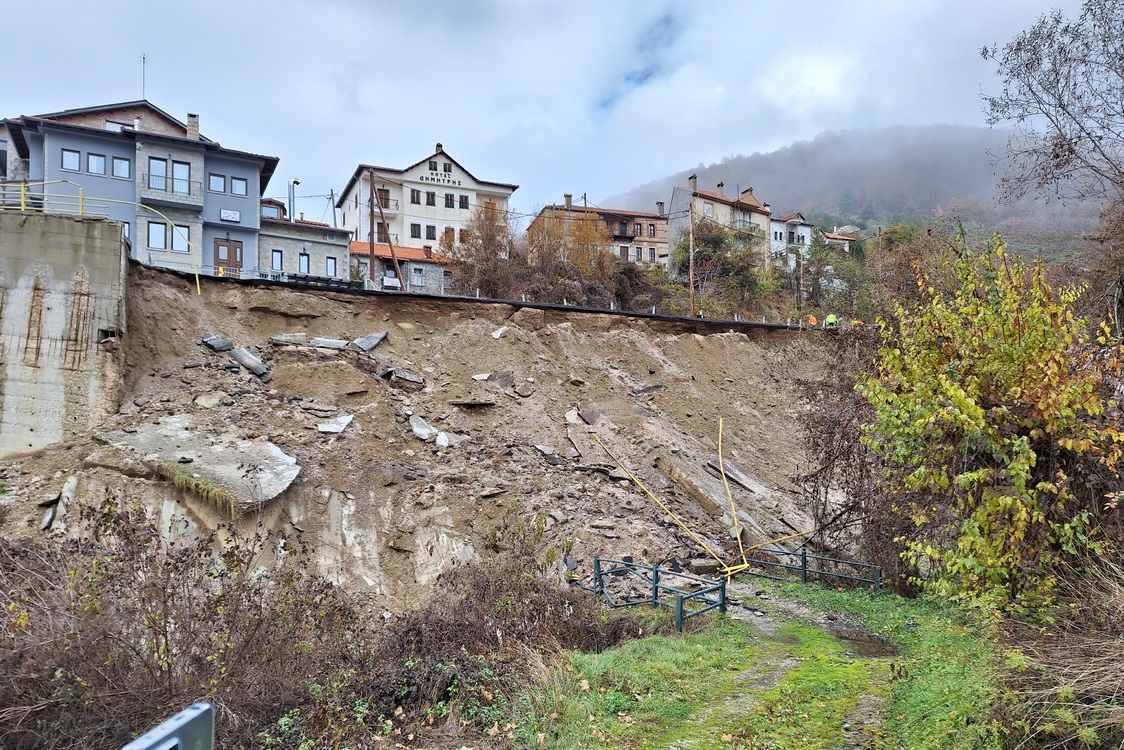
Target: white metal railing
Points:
(176, 186)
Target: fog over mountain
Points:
(881, 176)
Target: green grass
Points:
(730, 686)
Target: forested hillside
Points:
(883, 176)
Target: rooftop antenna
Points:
(144, 61)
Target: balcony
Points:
(173, 190)
(388, 205)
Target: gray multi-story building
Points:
(184, 201)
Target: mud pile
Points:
(462, 414)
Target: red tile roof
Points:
(403, 253)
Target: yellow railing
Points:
(35, 196)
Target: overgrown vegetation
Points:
(109, 633)
(220, 497)
(992, 430)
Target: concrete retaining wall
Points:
(62, 312)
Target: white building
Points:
(420, 204)
(790, 235)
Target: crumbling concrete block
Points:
(249, 360)
(321, 343)
(217, 343)
(289, 339)
(370, 341)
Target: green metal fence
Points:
(805, 564)
(709, 595)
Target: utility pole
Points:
(691, 256)
(371, 234)
(332, 201)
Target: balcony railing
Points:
(386, 204)
(175, 187)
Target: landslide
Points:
(388, 512)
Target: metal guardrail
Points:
(874, 578)
(712, 594)
(190, 729)
(34, 197)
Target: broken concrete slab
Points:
(451, 439)
(252, 471)
(289, 339)
(318, 408)
(617, 410)
(324, 343)
(249, 360)
(212, 399)
(504, 379)
(422, 429)
(406, 378)
(573, 417)
(499, 332)
(336, 425)
(370, 341)
(482, 376)
(217, 343)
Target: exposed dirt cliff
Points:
(521, 398)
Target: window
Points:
(238, 186)
(433, 166)
(157, 174)
(122, 168)
(464, 201)
(181, 178)
(180, 236)
(792, 238)
(639, 254)
(450, 233)
(415, 197)
(651, 255)
(430, 232)
(382, 232)
(637, 230)
(460, 236)
(624, 252)
(450, 200)
(303, 263)
(277, 261)
(71, 160)
(623, 229)
(3, 159)
(415, 231)
(419, 275)
(448, 168)
(330, 266)
(157, 235)
(651, 230)
(269, 211)
(95, 163)
(430, 198)
(126, 229)
(216, 183)
(708, 209)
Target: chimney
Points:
(427, 252)
(192, 127)
(136, 122)
(694, 182)
(569, 201)
(440, 149)
(659, 207)
(721, 192)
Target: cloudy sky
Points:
(583, 96)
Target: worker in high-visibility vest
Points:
(831, 321)
(812, 321)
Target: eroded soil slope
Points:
(523, 395)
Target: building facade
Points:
(298, 247)
(417, 206)
(743, 213)
(789, 236)
(184, 201)
(423, 271)
(633, 236)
